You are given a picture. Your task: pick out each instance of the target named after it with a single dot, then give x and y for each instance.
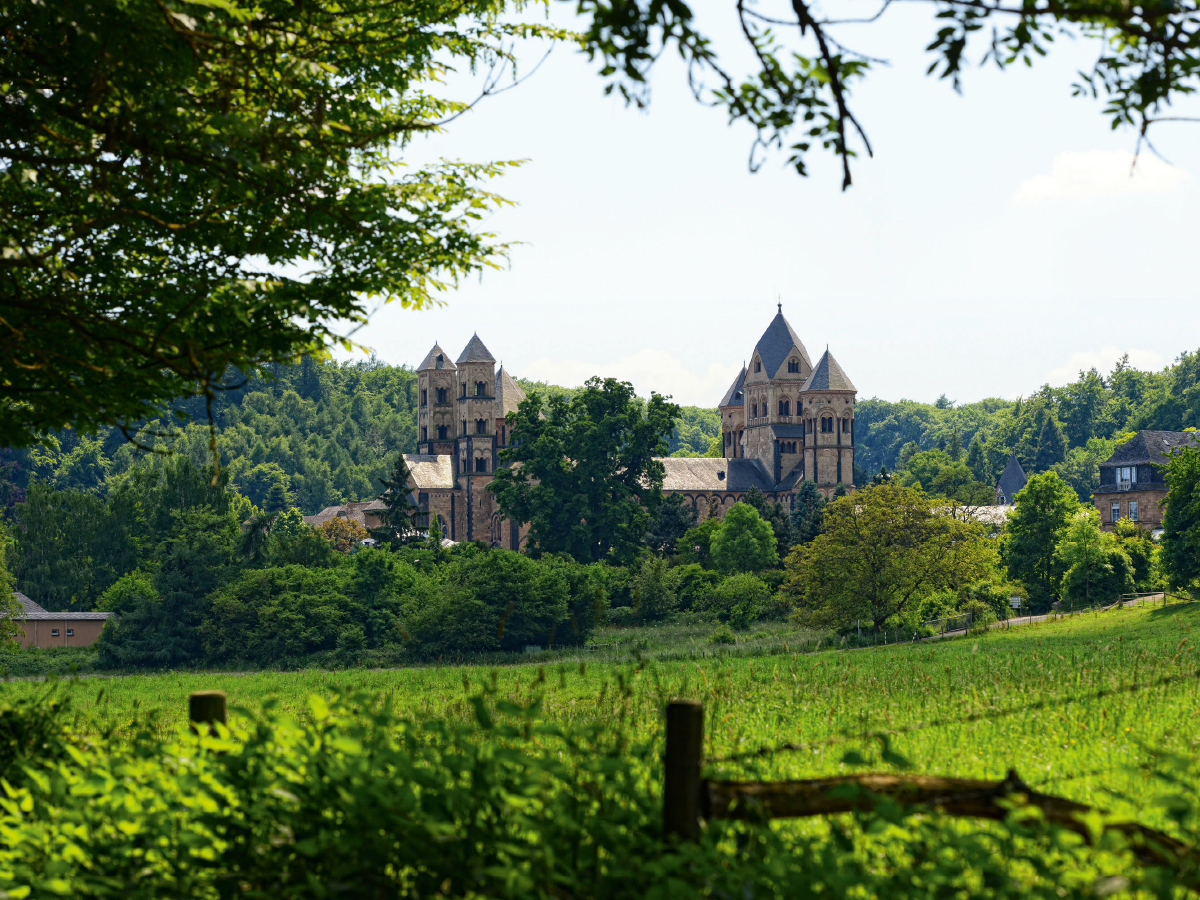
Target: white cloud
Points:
(648, 370)
(1101, 173)
(1103, 361)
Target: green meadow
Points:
(1083, 707)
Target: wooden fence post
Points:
(681, 788)
(207, 706)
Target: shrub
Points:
(981, 616)
(653, 596)
(739, 600)
(722, 635)
(622, 617)
(692, 584)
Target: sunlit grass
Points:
(1023, 699)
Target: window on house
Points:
(463, 431)
(793, 365)
(481, 426)
(757, 366)
(424, 433)
(464, 390)
(754, 410)
(441, 432)
(70, 632)
(424, 397)
(441, 395)
(1115, 515)
(785, 407)
(440, 360)
(480, 389)
(481, 465)
(1133, 511)
(53, 632)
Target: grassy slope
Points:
(1077, 745)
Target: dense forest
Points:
(323, 433)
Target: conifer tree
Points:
(398, 518)
(1052, 446)
(977, 461)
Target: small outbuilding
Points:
(43, 628)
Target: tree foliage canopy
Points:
(1181, 521)
(582, 470)
(1043, 512)
(881, 551)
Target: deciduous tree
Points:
(744, 542)
(1042, 513)
(882, 550)
(581, 470)
(1181, 519)
(187, 188)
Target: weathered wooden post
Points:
(207, 707)
(681, 788)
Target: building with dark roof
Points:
(1131, 480)
(42, 628)
(1012, 479)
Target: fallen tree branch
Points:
(964, 797)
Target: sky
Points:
(997, 240)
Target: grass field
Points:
(1024, 698)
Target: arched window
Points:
(424, 433)
(441, 432)
(464, 390)
(480, 464)
(481, 426)
(793, 365)
(480, 389)
(754, 410)
(757, 366)
(441, 395)
(785, 407)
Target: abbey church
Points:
(783, 421)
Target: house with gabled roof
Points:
(1131, 480)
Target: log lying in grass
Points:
(965, 797)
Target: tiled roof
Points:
(429, 471)
(475, 352)
(777, 342)
(355, 511)
(431, 360)
(735, 396)
(508, 394)
(828, 376)
(708, 474)
(1149, 447)
(34, 612)
(1013, 478)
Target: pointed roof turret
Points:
(508, 393)
(777, 342)
(828, 376)
(475, 352)
(736, 394)
(1012, 479)
(436, 359)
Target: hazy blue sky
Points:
(996, 241)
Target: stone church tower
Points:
(783, 421)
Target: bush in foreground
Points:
(358, 802)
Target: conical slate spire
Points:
(777, 342)
(475, 352)
(436, 359)
(828, 376)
